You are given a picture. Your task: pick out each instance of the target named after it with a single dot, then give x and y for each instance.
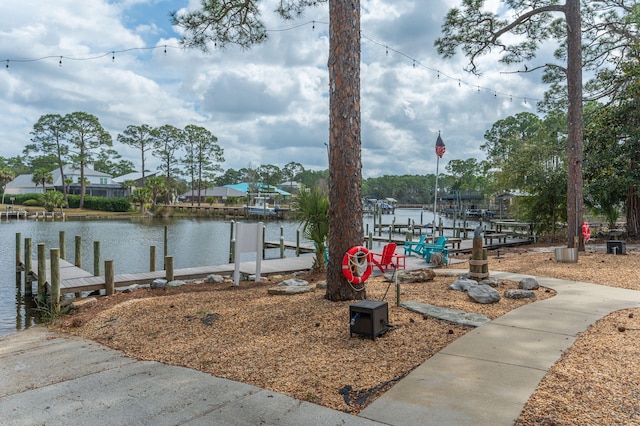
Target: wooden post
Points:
(62, 244)
(370, 241)
(18, 258)
(96, 258)
(152, 259)
(264, 239)
(18, 250)
(231, 242)
(166, 243)
(55, 280)
(281, 242)
(78, 255)
(168, 261)
(27, 265)
(297, 242)
(109, 284)
(42, 270)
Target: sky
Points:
(120, 60)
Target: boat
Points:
(260, 207)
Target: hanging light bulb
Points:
(60, 62)
(113, 56)
(7, 66)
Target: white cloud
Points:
(266, 105)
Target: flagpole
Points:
(435, 196)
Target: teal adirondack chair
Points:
(417, 247)
(438, 247)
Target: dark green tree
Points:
(49, 137)
(86, 137)
(140, 138)
(168, 141)
(203, 155)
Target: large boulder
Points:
(483, 294)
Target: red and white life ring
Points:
(586, 231)
(356, 265)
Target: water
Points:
(192, 242)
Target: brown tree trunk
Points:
(574, 142)
(633, 211)
(345, 163)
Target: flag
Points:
(439, 147)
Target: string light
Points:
(415, 62)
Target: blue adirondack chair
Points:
(417, 247)
(438, 247)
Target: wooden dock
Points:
(77, 280)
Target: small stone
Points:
(159, 283)
(214, 279)
(293, 282)
(519, 294)
(528, 284)
(176, 283)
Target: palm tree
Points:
(42, 177)
(313, 210)
(6, 175)
(141, 196)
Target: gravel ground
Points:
(300, 345)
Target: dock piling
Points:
(42, 270)
(78, 253)
(27, 265)
(96, 258)
(152, 259)
(109, 276)
(168, 261)
(62, 245)
(55, 280)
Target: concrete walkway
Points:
(483, 378)
(486, 376)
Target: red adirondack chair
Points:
(388, 260)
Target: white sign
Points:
(248, 240)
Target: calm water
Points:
(192, 242)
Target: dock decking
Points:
(77, 280)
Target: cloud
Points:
(268, 104)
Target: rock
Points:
(321, 284)
(452, 315)
(528, 284)
(276, 277)
(491, 281)
(176, 283)
(519, 294)
(463, 284)
(293, 282)
(131, 288)
(84, 303)
(159, 283)
(290, 289)
(419, 276)
(483, 294)
(214, 279)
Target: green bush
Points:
(32, 202)
(101, 203)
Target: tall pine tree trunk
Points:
(633, 203)
(345, 163)
(575, 144)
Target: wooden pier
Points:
(77, 280)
